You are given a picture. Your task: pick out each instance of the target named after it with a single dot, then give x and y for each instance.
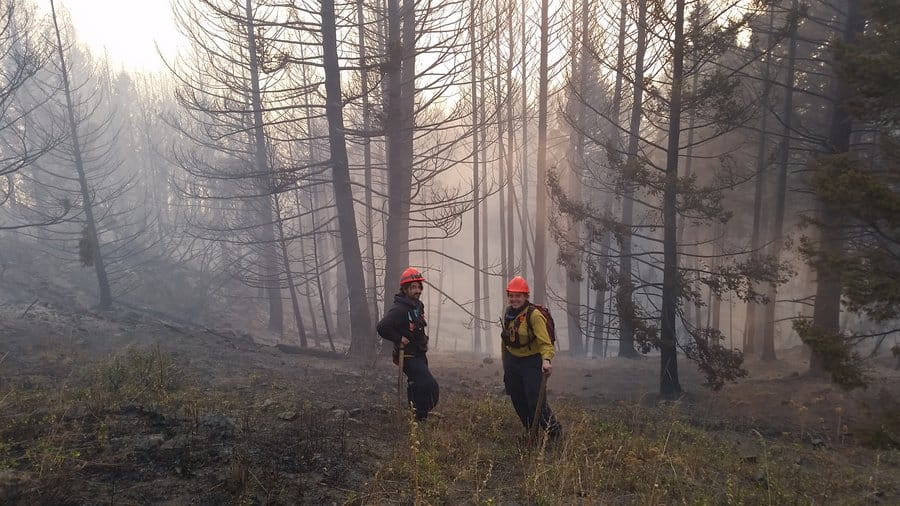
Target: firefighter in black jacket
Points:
(404, 325)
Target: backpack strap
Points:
(528, 312)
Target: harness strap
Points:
(514, 343)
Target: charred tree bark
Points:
(400, 76)
(540, 221)
(307, 274)
(501, 163)
(688, 171)
(360, 322)
(272, 281)
(292, 289)
(323, 300)
(476, 183)
(577, 344)
(750, 330)
(768, 351)
(485, 245)
(526, 236)
(341, 294)
(440, 304)
(827, 311)
(669, 386)
(510, 140)
(367, 157)
(603, 262)
(624, 295)
(91, 234)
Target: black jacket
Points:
(406, 318)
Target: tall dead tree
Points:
(367, 155)
(502, 164)
(90, 238)
(540, 221)
(289, 276)
(228, 95)
(360, 321)
(603, 269)
(750, 323)
(400, 75)
(271, 280)
(526, 141)
(476, 185)
(768, 341)
(625, 291)
(510, 145)
(575, 155)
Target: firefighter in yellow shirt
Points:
(527, 355)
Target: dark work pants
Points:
(522, 378)
(421, 387)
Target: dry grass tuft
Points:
(623, 453)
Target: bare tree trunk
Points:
(485, 245)
(501, 162)
(749, 341)
(510, 139)
(260, 158)
(440, 304)
(476, 184)
(307, 290)
(540, 221)
(827, 311)
(323, 301)
(574, 274)
(523, 265)
(360, 322)
(669, 386)
(295, 304)
(367, 158)
(91, 234)
(624, 295)
(688, 170)
(399, 126)
(603, 263)
(768, 351)
(341, 295)
(577, 344)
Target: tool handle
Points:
(542, 396)
(400, 377)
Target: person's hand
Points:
(547, 368)
(403, 342)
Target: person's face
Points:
(413, 290)
(516, 300)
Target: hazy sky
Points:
(127, 30)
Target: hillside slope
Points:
(127, 408)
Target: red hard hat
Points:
(410, 275)
(517, 285)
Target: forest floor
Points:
(124, 408)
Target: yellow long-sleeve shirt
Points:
(518, 329)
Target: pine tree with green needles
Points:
(863, 188)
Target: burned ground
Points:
(126, 408)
